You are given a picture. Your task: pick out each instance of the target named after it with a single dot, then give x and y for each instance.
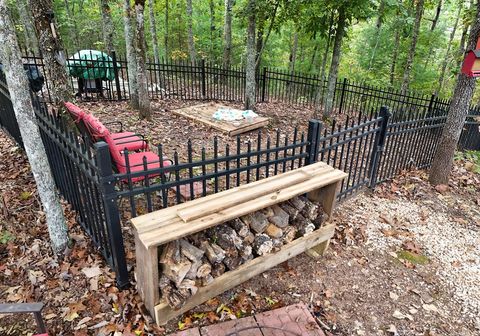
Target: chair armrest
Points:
(115, 123)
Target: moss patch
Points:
(417, 259)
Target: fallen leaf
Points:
(430, 307)
(393, 296)
(91, 272)
(441, 188)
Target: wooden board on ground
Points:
(203, 113)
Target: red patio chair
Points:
(129, 140)
(135, 159)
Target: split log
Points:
(189, 285)
(174, 266)
(303, 225)
(290, 210)
(218, 269)
(262, 244)
(207, 280)
(174, 298)
(273, 231)
(289, 234)
(277, 244)
(204, 270)
(246, 253)
(280, 217)
(320, 220)
(297, 203)
(232, 263)
(197, 238)
(310, 209)
(227, 238)
(240, 227)
(268, 212)
(213, 252)
(257, 221)
(191, 252)
(248, 240)
(192, 272)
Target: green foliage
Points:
(6, 236)
(472, 158)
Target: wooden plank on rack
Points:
(177, 229)
(163, 313)
(254, 191)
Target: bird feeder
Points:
(471, 63)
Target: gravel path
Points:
(449, 240)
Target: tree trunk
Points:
(140, 53)
(212, 30)
(31, 42)
(293, 53)
(250, 85)
(191, 42)
(166, 30)
(437, 15)
(265, 40)
(227, 35)
(337, 49)
(381, 11)
(461, 48)
(22, 104)
(413, 46)
(107, 25)
(396, 45)
(131, 57)
(313, 58)
(447, 53)
(52, 50)
(457, 112)
(323, 67)
(153, 31)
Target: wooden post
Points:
(147, 274)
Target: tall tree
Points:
(262, 41)
(72, 24)
(413, 45)
(333, 73)
(166, 29)
(227, 35)
(212, 29)
(22, 105)
(457, 112)
(52, 50)
(447, 52)
(141, 57)
(131, 55)
(250, 84)
(378, 26)
(31, 42)
(107, 25)
(437, 15)
(293, 53)
(191, 42)
(153, 31)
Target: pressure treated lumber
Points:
(164, 313)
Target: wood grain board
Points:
(203, 113)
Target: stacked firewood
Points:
(194, 261)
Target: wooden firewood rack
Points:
(319, 181)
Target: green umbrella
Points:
(91, 64)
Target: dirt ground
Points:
(404, 260)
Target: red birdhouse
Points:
(471, 63)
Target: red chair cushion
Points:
(129, 140)
(136, 164)
(77, 113)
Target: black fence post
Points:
(115, 71)
(342, 96)
(431, 104)
(112, 215)
(204, 89)
(313, 140)
(378, 146)
(264, 83)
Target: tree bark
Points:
(437, 15)
(265, 40)
(381, 11)
(140, 52)
(166, 30)
(447, 52)
(131, 56)
(227, 35)
(396, 45)
(31, 42)
(191, 42)
(457, 112)
(212, 30)
(153, 31)
(333, 74)
(250, 85)
(22, 104)
(107, 25)
(293, 53)
(323, 67)
(413, 45)
(52, 50)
